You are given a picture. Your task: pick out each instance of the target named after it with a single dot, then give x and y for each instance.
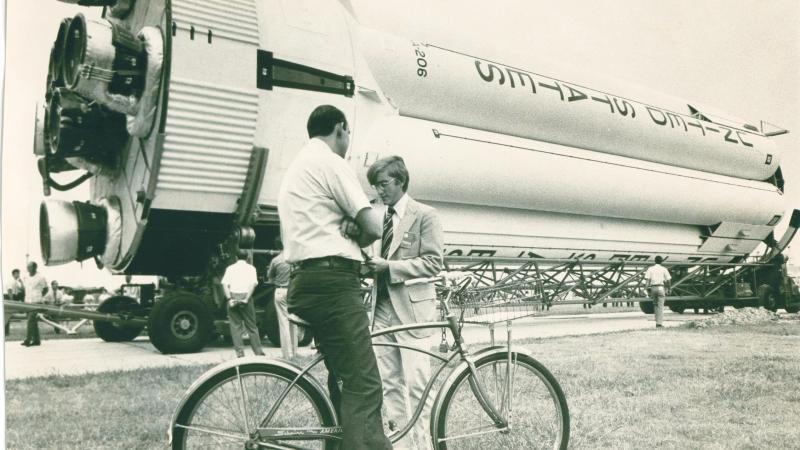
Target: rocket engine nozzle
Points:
(82, 132)
(55, 68)
(103, 60)
(71, 231)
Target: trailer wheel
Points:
(647, 307)
(793, 307)
(273, 331)
(677, 307)
(766, 299)
(117, 332)
(180, 323)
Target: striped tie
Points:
(386, 240)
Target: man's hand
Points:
(349, 228)
(378, 264)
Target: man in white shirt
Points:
(14, 290)
(35, 290)
(657, 280)
(320, 192)
(57, 297)
(278, 273)
(239, 282)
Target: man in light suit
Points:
(411, 247)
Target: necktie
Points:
(386, 240)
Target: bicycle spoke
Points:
(538, 421)
(478, 431)
(213, 431)
(244, 401)
(236, 410)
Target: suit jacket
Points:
(415, 252)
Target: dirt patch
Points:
(741, 316)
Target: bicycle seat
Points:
(298, 321)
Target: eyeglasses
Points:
(383, 184)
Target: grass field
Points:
(726, 387)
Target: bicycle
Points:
(494, 398)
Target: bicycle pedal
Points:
(444, 348)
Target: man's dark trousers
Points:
(32, 332)
(330, 300)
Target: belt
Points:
(328, 262)
(656, 285)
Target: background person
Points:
(14, 290)
(239, 282)
(278, 274)
(657, 280)
(35, 290)
(318, 193)
(411, 247)
(57, 297)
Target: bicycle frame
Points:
(460, 356)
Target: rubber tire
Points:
(195, 399)
(269, 327)
(679, 308)
(766, 299)
(533, 364)
(114, 332)
(174, 306)
(647, 307)
(793, 307)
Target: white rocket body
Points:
(518, 163)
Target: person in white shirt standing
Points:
(278, 274)
(319, 194)
(57, 297)
(657, 280)
(239, 282)
(35, 290)
(14, 290)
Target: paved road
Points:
(77, 356)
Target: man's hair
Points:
(241, 254)
(14, 271)
(33, 264)
(323, 120)
(393, 166)
(659, 259)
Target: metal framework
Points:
(513, 288)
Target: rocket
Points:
(184, 116)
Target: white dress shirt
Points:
(33, 288)
(317, 192)
(399, 211)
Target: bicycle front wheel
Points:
(227, 411)
(525, 394)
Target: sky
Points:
(740, 57)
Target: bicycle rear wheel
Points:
(537, 413)
(225, 411)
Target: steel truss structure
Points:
(511, 288)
